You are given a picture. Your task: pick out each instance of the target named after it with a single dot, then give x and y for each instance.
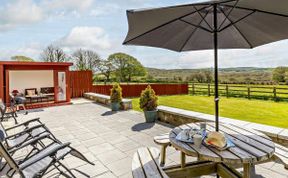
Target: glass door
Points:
(61, 91)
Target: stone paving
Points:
(109, 139)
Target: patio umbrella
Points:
(218, 24)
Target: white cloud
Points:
(271, 55)
(62, 13)
(32, 50)
(105, 9)
(19, 12)
(67, 5)
(24, 12)
(93, 38)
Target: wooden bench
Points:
(145, 164)
(126, 104)
(164, 142)
(282, 154)
(99, 98)
(105, 99)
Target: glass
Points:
(197, 140)
(203, 126)
(61, 86)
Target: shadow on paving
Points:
(108, 113)
(142, 126)
(31, 111)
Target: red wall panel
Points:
(81, 82)
(134, 90)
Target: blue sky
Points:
(28, 26)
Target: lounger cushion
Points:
(31, 92)
(2, 135)
(14, 142)
(3, 130)
(38, 166)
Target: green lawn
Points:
(259, 111)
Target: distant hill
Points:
(226, 75)
(245, 69)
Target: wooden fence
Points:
(248, 91)
(134, 90)
(81, 82)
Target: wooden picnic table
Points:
(251, 147)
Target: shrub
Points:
(148, 99)
(116, 93)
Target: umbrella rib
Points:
(184, 5)
(197, 26)
(190, 13)
(234, 25)
(203, 17)
(228, 14)
(257, 10)
(192, 32)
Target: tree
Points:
(279, 74)
(126, 66)
(198, 76)
(22, 58)
(247, 80)
(86, 60)
(208, 76)
(106, 68)
(53, 54)
(286, 77)
(232, 80)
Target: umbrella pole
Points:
(215, 36)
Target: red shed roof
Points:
(16, 63)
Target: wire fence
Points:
(276, 93)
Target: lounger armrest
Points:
(29, 130)
(25, 123)
(50, 153)
(30, 142)
(79, 155)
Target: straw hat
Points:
(217, 139)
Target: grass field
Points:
(258, 111)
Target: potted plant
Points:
(148, 103)
(116, 97)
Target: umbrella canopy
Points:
(240, 24)
(218, 24)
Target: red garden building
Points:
(42, 83)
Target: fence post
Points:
(209, 94)
(227, 91)
(193, 89)
(248, 90)
(275, 93)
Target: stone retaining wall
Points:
(126, 104)
(174, 119)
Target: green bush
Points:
(148, 99)
(116, 93)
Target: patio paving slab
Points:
(111, 156)
(109, 139)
